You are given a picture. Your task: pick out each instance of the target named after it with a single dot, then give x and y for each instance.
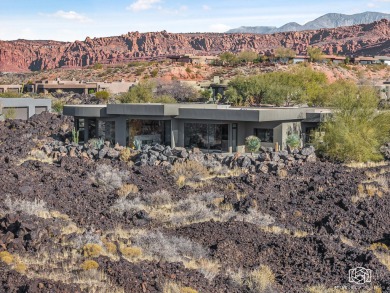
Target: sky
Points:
(77, 19)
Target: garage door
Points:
(16, 113)
(39, 110)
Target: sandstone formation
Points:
(24, 55)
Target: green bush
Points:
(357, 130)
(293, 141)
(98, 66)
(252, 143)
(58, 106)
(103, 95)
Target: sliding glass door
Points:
(213, 137)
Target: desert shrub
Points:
(98, 66)
(58, 106)
(172, 287)
(110, 247)
(103, 95)
(20, 267)
(108, 177)
(158, 198)
(356, 131)
(125, 155)
(6, 257)
(92, 250)
(89, 265)
(154, 72)
(261, 279)
(190, 170)
(36, 207)
(131, 251)
(123, 204)
(126, 189)
(86, 238)
(293, 141)
(252, 143)
(9, 113)
(170, 248)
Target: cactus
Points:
(75, 135)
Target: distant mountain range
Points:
(330, 20)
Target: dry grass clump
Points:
(207, 267)
(258, 280)
(188, 171)
(37, 155)
(170, 248)
(126, 154)
(280, 230)
(126, 189)
(92, 250)
(110, 247)
(131, 252)
(108, 177)
(359, 165)
(89, 265)
(261, 279)
(323, 289)
(35, 208)
(196, 208)
(172, 287)
(6, 257)
(20, 267)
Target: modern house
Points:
(81, 87)
(210, 127)
(11, 88)
(23, 108)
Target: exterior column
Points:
(120, 131)
(86, 130)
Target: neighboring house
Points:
(334, 59)
(81, 87)
(384, 59)
(23, 108)
(300, 59)
(194, 59)
(210, 127)
(11, 88)
(365, 60)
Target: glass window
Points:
(80, 123)
(141, 132)
(265, 135)
(206, 136)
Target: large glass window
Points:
(265, 135)
(141, 132)
(206, 136)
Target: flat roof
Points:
(194, 111)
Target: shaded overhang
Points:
(85, 110)
(244, 114)
(143, 109)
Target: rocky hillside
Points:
(329, 20)
(23, 55)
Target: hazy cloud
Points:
(206, 7)
(71, 15)
(142, 5)
(219, 27)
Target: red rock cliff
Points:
(23, 55)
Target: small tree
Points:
(252, 143)
(247, 56)
(315, 54)
(284, 54)
(228, 58)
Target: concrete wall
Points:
(24, 107)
